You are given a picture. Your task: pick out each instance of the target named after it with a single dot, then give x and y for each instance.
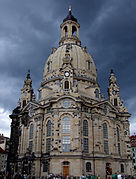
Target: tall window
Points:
(85, 128)
(115, 102)
(105, 136)
(48, 136)
(74, 30)
(118, 140)
(105, 131)
(30, 145)
(85, 144)
(45, 166)
(89, 65)
(66, 125)
(31, 131)
(118, 137)
(48, 128)
(85, 134)
(66, 143)
(119, 149)
(97, 93)
(106, 148)
(48, 66)
(88, 167)
(65, 31)
(48, 145)
(66, 85)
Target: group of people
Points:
(21, 176)
(115, 176)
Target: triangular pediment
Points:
(106, 103)
(67, 67)
(31, 105)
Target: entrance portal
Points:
(65, 169)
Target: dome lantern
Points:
(70, 30)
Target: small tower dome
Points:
(70, 30)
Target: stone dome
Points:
(78, 57)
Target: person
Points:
(119, 176)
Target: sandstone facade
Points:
(72, 129)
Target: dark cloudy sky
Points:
(30, 28)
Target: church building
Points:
(70, 129)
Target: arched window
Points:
(118, 137)
(65, 31)
(105, 136)
(31, 131)
(88, 167)
(85, 128)
(49, 128)
(97, 93)
(66, 125)
(105, 131)
(74, 30)
(66, 85)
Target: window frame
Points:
(85, 145)
(66, 143)
(115, 102)
(74, 30)
(118, 135)
(48, 128)
(85, 128)
(45, 166)
(88, 167)
(66, 85)
(106, 147)
(31, 146)
(66, 125)
(31, 131)
(105, 131)
(48, 145)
